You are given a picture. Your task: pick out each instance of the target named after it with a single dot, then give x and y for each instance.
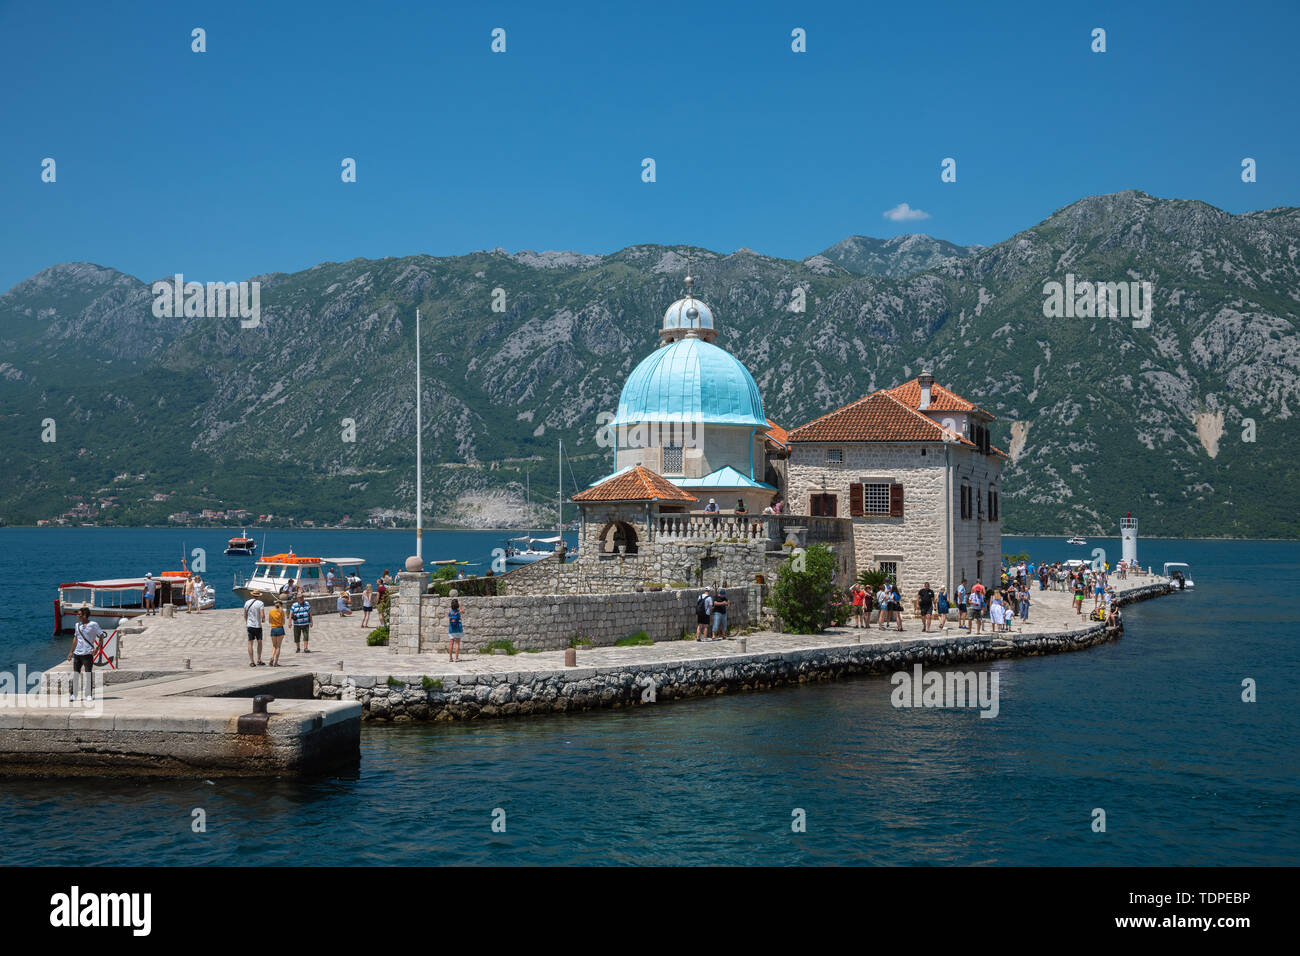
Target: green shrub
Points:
(394, 682)
(429, 683)
(378, 637)
(502, 645)
(801, 598)
(579, 641)
(385, 608)
(639, 639)
(446, 572)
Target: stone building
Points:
(913, 469)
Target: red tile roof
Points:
(878, 417)
(777, 434)
(636, 484)
(941, 399)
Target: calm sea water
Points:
(1151, 729)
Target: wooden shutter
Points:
(830, 505)
(855, 499)
(895, 501)
(815, 505)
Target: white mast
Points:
(559, 491)
(419, 457)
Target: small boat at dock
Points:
(526, 550)
(1075, 540)
(1179, 573)
(274, 572)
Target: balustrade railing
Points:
(711, 528)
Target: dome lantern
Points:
(688, 317)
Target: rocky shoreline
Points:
(551, 690)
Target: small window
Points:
(890, 568)
(875, 499)
(672, 459)
(834, 456)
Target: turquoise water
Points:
(1151, 729)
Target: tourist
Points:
(720, 615)
(1024, 604)
(343, 605)
(1098, 588)
(997, 613)
(702, 608)
(275, 617)
(367, 605)
(925, 599)
(148, 594)
(1078, 595)
(329, 581)
(882, 603)
(868, 599)
(780, 506)
(962, 600)
(942, 606)
(769, 510)
(895, 605)
(300, 611)
(254, 615)
(454, 631)
(86, 633)
(712, 509)
(740, 507)
(858, 615)
(198, 594)
(189, 595)
(381, 588)
(975, 608)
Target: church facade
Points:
(903, 479)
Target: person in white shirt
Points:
(82, 654)
(254, 615)
(148, 593)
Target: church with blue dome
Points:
(692, 413)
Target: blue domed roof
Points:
(691, 381)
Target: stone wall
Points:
(548, 622)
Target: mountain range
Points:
(1185, 420)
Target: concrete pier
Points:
(178, 725)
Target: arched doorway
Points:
(618, 533)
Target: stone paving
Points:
(216, 640)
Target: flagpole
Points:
(419, 456)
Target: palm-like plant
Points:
(873, 579)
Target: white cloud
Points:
(905, 213)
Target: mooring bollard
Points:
(571, 657)
(340, 665)
(743, 642)
(187, 663)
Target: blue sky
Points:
(226, 164)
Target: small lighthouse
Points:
(1128, 533)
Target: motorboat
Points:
(241, 545)
(1179, 574)
(275, 574)
(1075, 540)
(526, 550)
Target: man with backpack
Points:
(703, 608)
